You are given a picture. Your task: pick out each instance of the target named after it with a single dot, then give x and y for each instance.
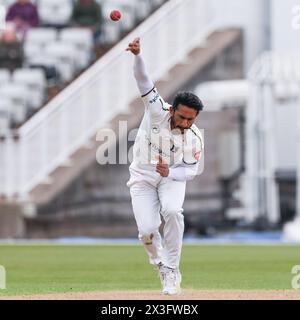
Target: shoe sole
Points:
(171, 293)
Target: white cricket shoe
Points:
(171, 279)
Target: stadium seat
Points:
(82, 39)
(40, 36)
(30, 76)
(4, 76)
(79, 36)
(35, 81)
(19, 96)
(65, 57)
(31, 50)
(48, 64)
(55, 12)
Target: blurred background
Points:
(65, 76)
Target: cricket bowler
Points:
(166, 154)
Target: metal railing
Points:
(72, 118)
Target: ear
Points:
(171, 110)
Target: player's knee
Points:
(147, 229)
(146, 238)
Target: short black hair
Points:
(188, 99)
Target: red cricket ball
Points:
(115, 15)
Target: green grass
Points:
(54, 268)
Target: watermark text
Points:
(296, 279)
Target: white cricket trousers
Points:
(148, 203)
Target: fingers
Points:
(136, 41)
(134, 46)
(160, 170)
(161, 163)
(161, 160)
(163, 170)
(162, 167)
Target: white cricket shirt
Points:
(181, 151)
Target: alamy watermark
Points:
(2, 278)
(296, 279)
(296, 17)
(173, 147)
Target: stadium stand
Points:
(40, 64)
(82, 40)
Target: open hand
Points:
(134, 46)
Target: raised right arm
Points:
(144, 83)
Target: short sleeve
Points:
(193, 147)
